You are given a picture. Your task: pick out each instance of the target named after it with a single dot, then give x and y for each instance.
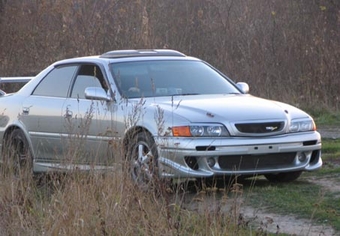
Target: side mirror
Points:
(244, 87)
(96, 93)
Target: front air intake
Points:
(260, 128)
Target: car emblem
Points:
(271, 128)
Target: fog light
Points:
(302, 157)
(211, 161)
(191, 162)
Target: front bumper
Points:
(206, 157)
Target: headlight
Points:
(301, 126)
(200, 130)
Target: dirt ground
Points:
(260, 219)
(290, 224)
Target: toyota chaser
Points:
(165, 114)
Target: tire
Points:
(142, 159)
(284, 177)
(17, 154)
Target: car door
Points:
(42, 113)
(88, 122)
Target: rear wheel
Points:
(17, 154)
(284, 177)
(142, 160)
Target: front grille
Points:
(260, 128)
(257, 162)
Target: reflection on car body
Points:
(173, 116)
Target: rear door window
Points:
(57, 82)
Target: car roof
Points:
(142, 53)
(130, 55)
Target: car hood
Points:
(228, 108)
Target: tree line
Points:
(286, 50)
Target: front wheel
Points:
(284, 177)
(142, 160)
(17, 155)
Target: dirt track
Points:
(259, 219)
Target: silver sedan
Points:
(156, 114)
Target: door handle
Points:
(25, 110)
(68, 113)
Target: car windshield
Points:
(169, 78)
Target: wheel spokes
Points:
(144, 158)
(143, 168)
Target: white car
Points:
(166, 114)
(14, 81)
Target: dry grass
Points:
(105, 204)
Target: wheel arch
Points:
(131, 133)
(10, 130)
